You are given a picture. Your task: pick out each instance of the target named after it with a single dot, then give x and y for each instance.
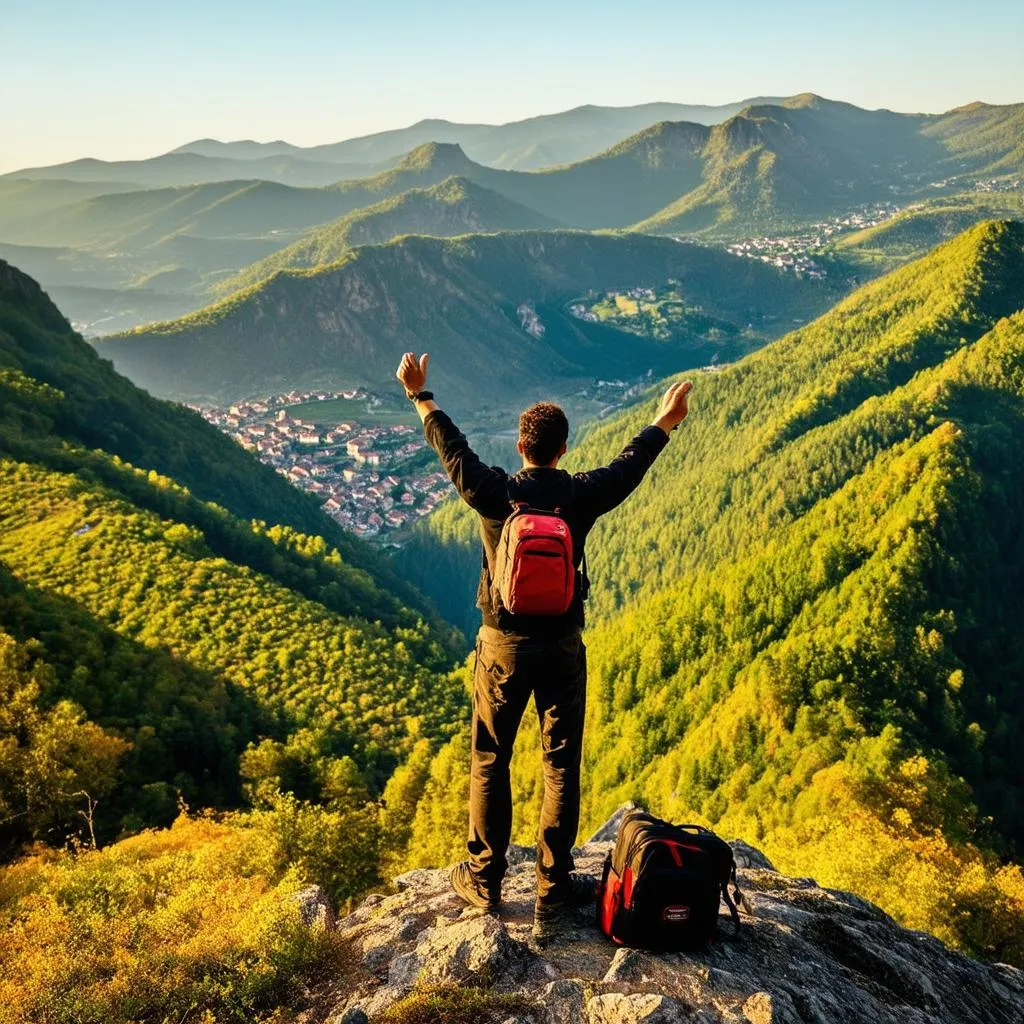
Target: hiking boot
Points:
(471, 891)
(555, 917)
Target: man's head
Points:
(543, 431)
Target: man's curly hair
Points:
(543, 429)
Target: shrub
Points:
(186, 923)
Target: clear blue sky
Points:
(118, 79)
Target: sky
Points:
(125, 80)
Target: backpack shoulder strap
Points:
(517, 506)
(732, 900)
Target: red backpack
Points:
(662, 885)
(533, 570)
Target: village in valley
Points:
(370, 477)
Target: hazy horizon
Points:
(121, 81)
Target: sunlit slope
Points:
(982, 137)
(166, 632)
(100, 409)
(805, 627)
(191, 634)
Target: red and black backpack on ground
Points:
(661, 885)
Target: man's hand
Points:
(413, 374)
(674, 406)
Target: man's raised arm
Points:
(482, 487)
(601, 490)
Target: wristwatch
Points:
(419, 396)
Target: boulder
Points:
(805, 954)
(315, 908)
(647, 1008)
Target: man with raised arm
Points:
(540, 655)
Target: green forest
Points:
(810, 638)
(802, 632)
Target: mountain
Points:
(454, 207)
(141, 219)
(524, 145)
(535, 142)
(768, 168)
(348, 324)
(190, 168)
(774, 167)
(766, 165)
(811, 637)
(174, 603)
(631, 180)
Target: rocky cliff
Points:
(806, 954)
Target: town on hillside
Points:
(795, 253)
(366, 476)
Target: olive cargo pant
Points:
(508, 670)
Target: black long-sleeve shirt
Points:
(580, 497)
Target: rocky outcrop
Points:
(806, 954)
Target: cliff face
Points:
(806, 954)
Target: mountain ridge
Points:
(454, 206)
(353, 326)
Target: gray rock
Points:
(315, 908)
(638, 1008)
(806, 954)
(629, 965)
(354, 1016)
(562, 1001)
(748, 856)
(420, 878)
(378, 959)
(610, 829)
(521, 854)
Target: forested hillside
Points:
(166, 642)
(171, 652)
(919, 229)
(454, 207)
(804, 627)
(464, 298)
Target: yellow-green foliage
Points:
(924, 879)
(53, 763)
(190, 655)
(191, 923)
(819, 581)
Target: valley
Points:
(137, 243)
(237, 596)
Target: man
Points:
(518, 655)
